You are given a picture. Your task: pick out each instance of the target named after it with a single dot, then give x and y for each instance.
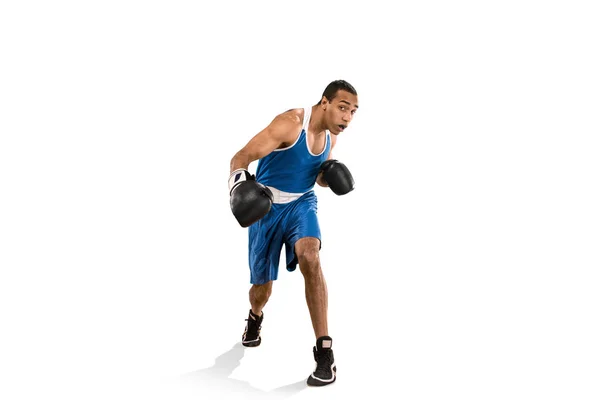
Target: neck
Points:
(316, 125)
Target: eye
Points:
(342, 108)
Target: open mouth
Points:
(342, 127)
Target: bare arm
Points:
(283, 129)
(320, 180)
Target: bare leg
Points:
(315, 287)
(259, 295)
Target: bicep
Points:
(261, 144)
(269, 138)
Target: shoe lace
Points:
(252, 325)
(324, 359)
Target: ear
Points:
(324, 102)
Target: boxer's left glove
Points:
(249, 200)
(337, 176)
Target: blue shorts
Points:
(284, 224)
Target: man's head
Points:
(339, 103)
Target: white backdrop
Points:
(464, 265)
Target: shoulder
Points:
(291, 116)
(288, 123)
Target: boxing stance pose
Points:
(279, 207)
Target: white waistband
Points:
(280, 197)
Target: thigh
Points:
(265, 240)
(302, 229)
(302, 220)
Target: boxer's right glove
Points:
(249, 200)
(337, 176)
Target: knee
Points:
(309, 260)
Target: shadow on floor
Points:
(217, 378)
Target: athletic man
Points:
(279, 206)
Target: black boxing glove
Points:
(337, 176)
(249, 200)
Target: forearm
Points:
(321, 181)
(239, 160)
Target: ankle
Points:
(324, 342)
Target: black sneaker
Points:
(325, 369)
(251, 336)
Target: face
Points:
(339, 111)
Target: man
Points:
(280, 207)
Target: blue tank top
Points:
(293, 169)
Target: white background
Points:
(464, 265)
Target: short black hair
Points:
(334, 86)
